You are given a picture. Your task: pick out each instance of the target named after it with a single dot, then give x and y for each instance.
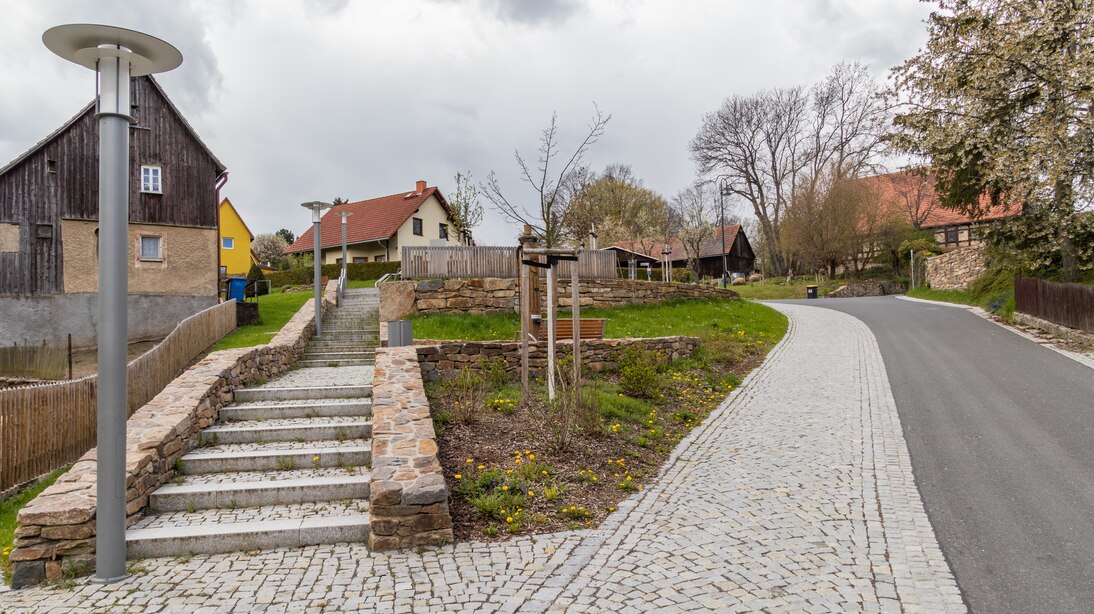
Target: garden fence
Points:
(456, 262)
(47, 426)
(1070, 305)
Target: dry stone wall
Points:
(400, 299)
(56, 530)
(956, 270)
(408, 501)
(448, 358)
(867, 288)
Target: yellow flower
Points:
(531, 493)
(544, 472)
(611, 509)
(458, 476)
(517, 460)
(482, 466)
(315, 458)
(531, 457)
(505, 487)
(527, 451)
(508, 519)
(469, 460)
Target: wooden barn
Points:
(49, 226)
(739, 257)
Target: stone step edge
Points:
(189, 489)
(303, 393)
(258, 426)
(204, 456)
(217, 538)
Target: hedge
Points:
(359, 271)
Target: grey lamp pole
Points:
(344, 215)
(722, 187)
(116, 54)
(317, 208)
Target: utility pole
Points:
(317, 208)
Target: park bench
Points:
(590, 328)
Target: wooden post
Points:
(551, 316)
(576, 314)
(70, 356)
(526, 279)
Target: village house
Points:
(739, 257)
(378, 227)
(49, 226)
(236, 256)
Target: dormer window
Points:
(151, 179)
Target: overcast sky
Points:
(313, 99)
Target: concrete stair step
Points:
(290, 410)
(340, 347)
(285, 456)
(269, 488)
(245, 529)
(299, 429)
(287, 393)
(336, 362)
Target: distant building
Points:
(49, 209)
(236, 256)
(739, 257)
(380, 226)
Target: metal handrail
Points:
(389, 276)
(341, 285)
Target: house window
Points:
(44, 231)
(417, 226)
(360, 258)
(151, 248)
(337, 261)
(228, 243)
(151, 180)
(223, 272)
(443, 231)
(51, 167)
(381, 259)
(951, 235)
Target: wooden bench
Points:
(590, 328)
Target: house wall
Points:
(236, 261)
(432, 215)
(371, 250)
(188, 266)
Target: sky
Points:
(315, 99)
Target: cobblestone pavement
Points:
(795, 496)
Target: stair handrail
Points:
(341, 285)
(389, 276)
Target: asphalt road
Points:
(1001, 435)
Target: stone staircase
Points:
(288, 462)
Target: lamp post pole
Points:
(344, 215)
(722, 222)
(317, 208)
(117, 55)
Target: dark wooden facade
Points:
(739, 258)
(59, 179)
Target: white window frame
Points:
(151, 179)
(231, 246)
(159, 248)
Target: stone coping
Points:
(408, 501)
(57, 529)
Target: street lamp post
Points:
(116, 54)
(722, 188)
(344, 215)
(317, 208)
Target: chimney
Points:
(420, 186)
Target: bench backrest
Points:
(590, 328)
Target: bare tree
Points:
(466, 209)
(769, 143)
(554, 186)
(694, 206)
(914, 192)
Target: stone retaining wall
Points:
(399, 299)
(408, 501)
(448, 358)
(956, 270)
(57, 529)
(867, 288)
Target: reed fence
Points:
(34, 361)
(47, 426)
(462, 262)
(1070, 305)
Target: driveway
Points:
(1001, 434)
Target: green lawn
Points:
(778, 289)
(946, 296)
(361, 283)
(678, 317)
(274, 310)
(10, 509)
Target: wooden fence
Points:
(35, 361)
(1070, 305)
(47, 426)
(427, 262)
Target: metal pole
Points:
(722, 223)
(911, 264)
(113, 317)
(318, 273)
(343, 245)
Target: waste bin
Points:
(810, 292)
(236, 287)
(399, 333)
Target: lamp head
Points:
(85, 44)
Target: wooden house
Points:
(49, 226)
(739, 257)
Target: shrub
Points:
(357, 271)
(256, 274)
(638, 376)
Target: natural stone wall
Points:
(406, 298)
(408, 501)
(57, 529)
(957, 269)
(867, 288)
(448, 358)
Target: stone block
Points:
(426, 489)
(28, 573)
(69, 531)
(386, 492)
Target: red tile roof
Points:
(375, 219)
(711, 246)
(889, 188)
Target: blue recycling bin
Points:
(236, 288)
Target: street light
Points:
(317, 208)
(117, 54)
(723, 188)
(344, 215)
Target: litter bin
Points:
(236, 287)
(810, 292)
(399, 333)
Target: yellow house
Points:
(236, 256)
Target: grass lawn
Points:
(361, 283)
(993, 291)
(10, 509)
(946, 296)
(772, 289)
(274, 310)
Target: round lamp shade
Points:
(81, 43)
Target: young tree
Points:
(286, 234)
(999, 100)
(270, 248)
(555, 186)
(694, 207)
(466, 208)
